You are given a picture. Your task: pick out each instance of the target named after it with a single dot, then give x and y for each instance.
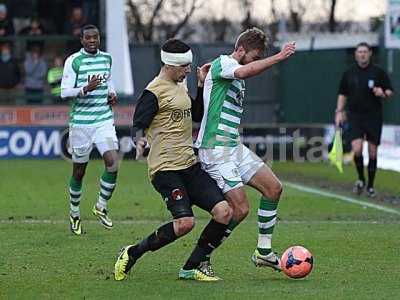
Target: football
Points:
(297, 262)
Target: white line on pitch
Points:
(136, 222)
(340, 197)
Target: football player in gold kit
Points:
(164, 113)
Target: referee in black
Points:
(363, 89)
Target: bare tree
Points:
(273, 24)
(247, 7)
(178, 27)
(332, 19)
(297, 9)
(166, 18)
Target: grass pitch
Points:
(355, 248)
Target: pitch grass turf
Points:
(355, 248)
(385, 181)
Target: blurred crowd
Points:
(34, 76)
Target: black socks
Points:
(164, 235)
(211, 237)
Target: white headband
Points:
(176, 59)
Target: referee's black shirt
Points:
(357, 84)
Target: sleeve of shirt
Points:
(343, 87)
(198, 106)
(385, 81)
(145, 111)
(111, 87)
(68, 88)
(228, 67)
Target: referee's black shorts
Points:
(366, 126)
(183, 188)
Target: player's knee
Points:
(183, 225)
(275, 191)
(241, 211)
(222, 212)
(78, 174)
(111, 165)
(372, 154)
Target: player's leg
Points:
(205, 193)
(172, 190)
(357, 134)
(270, 188)
(372, 167)
(107, 144)
(81, 146)
(255, 173)
(374, 131)
(75, 194)
(357, 147)
(225, 173)
(108, 183)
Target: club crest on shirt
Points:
(177, 195)
(371, 83)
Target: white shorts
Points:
(230, 167)
(82, 139)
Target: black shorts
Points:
(183, 188)
(367, 127)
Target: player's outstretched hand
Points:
(141, 143)
(202, 72)
(288, 50)
(94, 82)
(112, 99)
(340, 117)
(378, 92)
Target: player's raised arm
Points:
(145, 111)
(197, 103)
(259, 65)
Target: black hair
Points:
(88, 27)
(363, 44)
(175, 46)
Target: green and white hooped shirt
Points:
(223, 105)
(93, 108)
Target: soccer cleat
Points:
(75, 225)
(123, 264)
(371, 192)
(270, 260)
(103, 217)
(206, 268)
(358, 187)
(204, 272)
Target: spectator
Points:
(35, 75)
(54, 76)
(76, 22)
(6, 25)
(10, 75)
(35, 29)
(73, 27)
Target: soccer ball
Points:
(297, 262)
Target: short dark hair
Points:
(363, 44)
(252, 38)
(175, 46)
(88, 27)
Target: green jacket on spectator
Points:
(54, 77)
